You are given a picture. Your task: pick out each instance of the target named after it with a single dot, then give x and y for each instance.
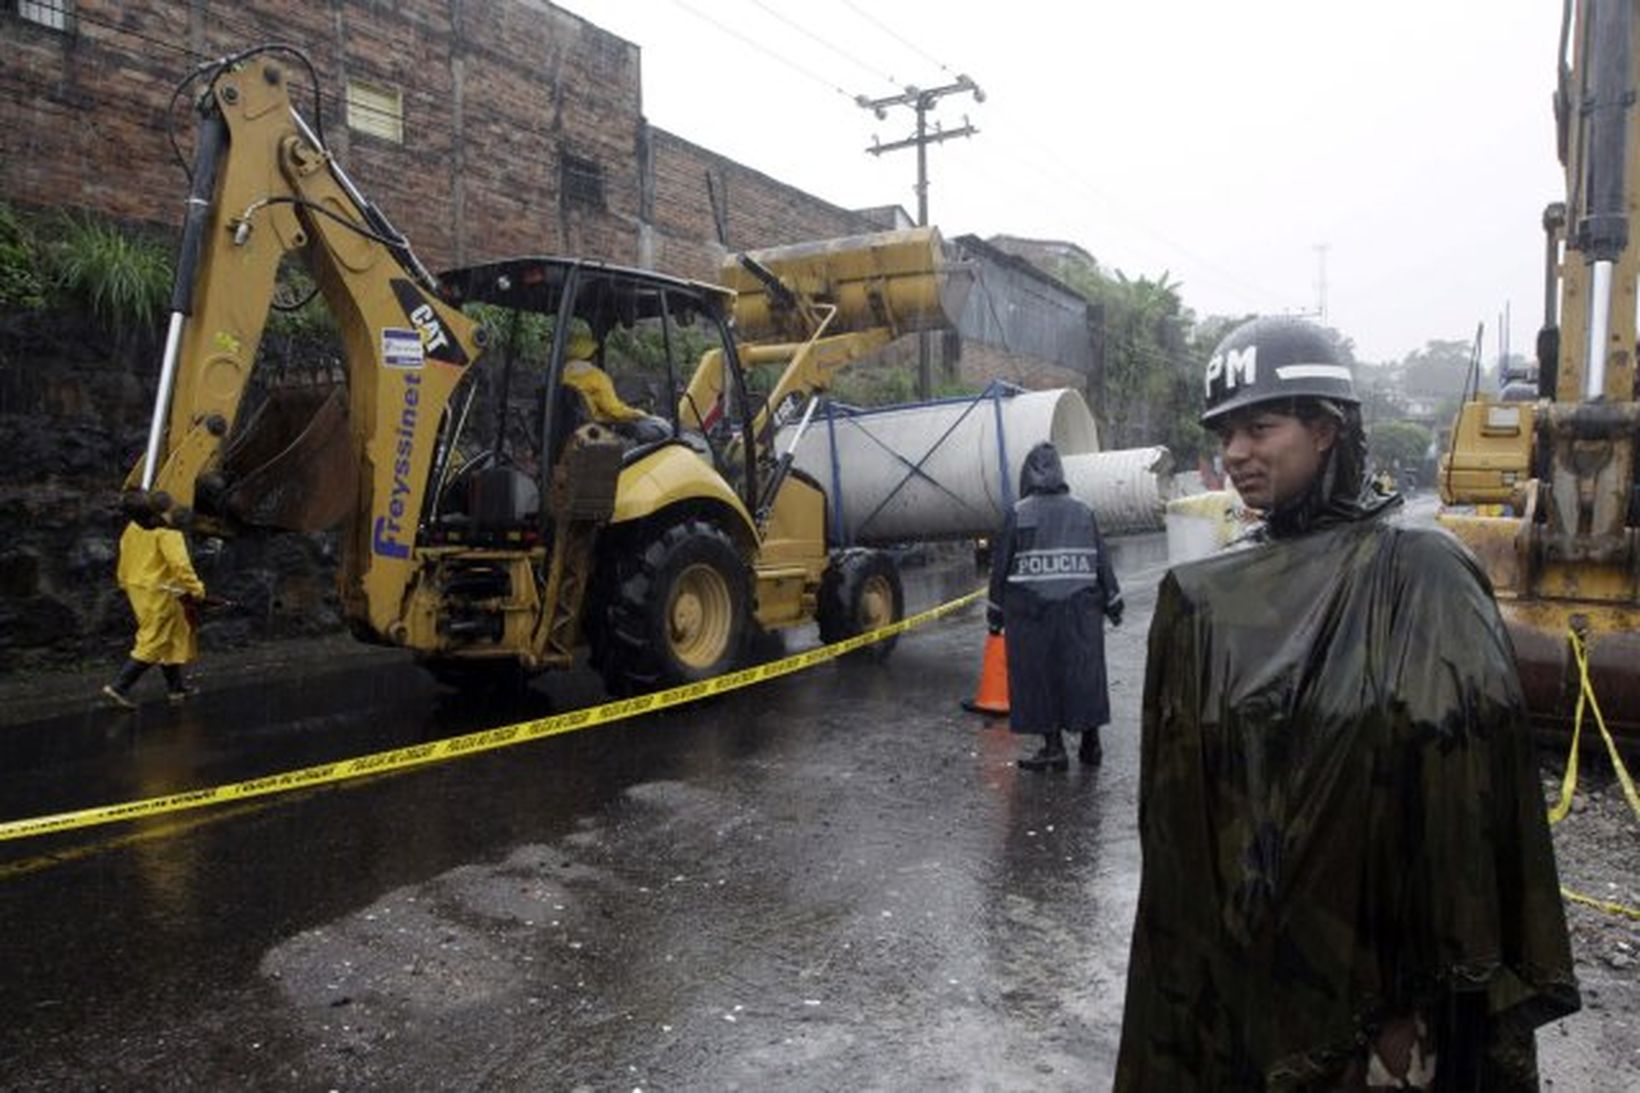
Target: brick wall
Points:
(981, 363)
(495, 92)
(756, 210)
(498, 96)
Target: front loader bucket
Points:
(291, 464)
(903, 280)
(1549, 672)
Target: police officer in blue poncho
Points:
(1051, 582)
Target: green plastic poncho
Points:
(1341, 821)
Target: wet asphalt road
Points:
(837, 879)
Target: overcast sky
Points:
(1220, 141)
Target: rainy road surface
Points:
(836, 880)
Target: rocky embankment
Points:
(74, 412)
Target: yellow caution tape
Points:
(472, 743)
(1568, 784)
(1606, 905)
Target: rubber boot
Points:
(1089, 751)
(119, 691)
(1051, 756)
(176, 686)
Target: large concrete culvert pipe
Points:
(950, 469)
(1128, 489)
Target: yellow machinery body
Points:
(660, 538)
(1567, 556)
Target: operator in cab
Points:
(599, 400)
(1347, 881)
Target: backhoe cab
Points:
(523, 457)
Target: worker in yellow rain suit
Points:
(599, 401)
(159, 579)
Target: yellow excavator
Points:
(496, 515)
(1566, 557)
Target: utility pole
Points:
(922, 100)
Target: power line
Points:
(841, 52)
(1231, 279)
(892, 33)
(1056, 165)
(922, 101)
(761, 48)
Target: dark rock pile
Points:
(74, 411)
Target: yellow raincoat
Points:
(597, 393)
(156, 573)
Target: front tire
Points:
(678, 610)
(859, 592)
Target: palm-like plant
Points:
(124, 279)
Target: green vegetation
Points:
(1398, 442)
(84, 264)
(123, 279)
(643, 348)
(22, 288)
(1154, 351)
(298, 311)
(882, 386)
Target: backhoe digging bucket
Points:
(1549, 673)
(291, 465)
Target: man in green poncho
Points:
(1348, 881)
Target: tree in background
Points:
(1402, 443)
(1153, 354)
(1438, 371)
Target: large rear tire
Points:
(859, 592)
(678, 610)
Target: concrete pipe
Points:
(950, 469)
(1127, 489)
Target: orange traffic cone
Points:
(992, 697)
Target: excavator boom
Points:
(264, 187)
(1566, 557)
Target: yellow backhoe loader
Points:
(524, 457)
(1567, 557)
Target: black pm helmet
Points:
(1271, 359)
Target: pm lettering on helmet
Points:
(1234, 367)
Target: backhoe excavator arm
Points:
(265, 187)
(1567, 556)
